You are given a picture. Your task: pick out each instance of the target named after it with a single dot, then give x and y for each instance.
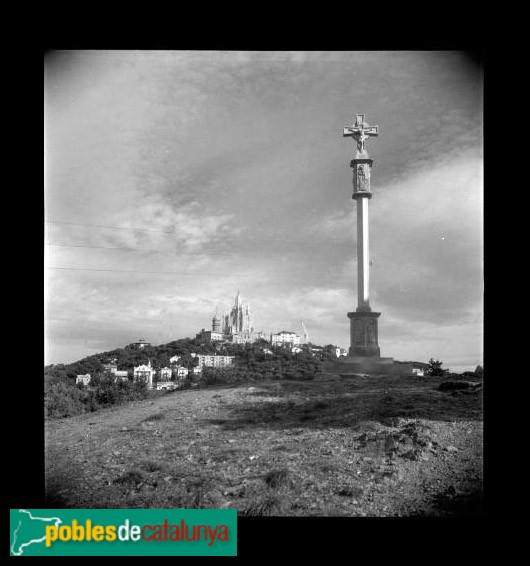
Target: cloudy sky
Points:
(173, 179)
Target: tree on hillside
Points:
(56, 374)
(63, 400)
(435, 368)
(328, 353)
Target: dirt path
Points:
(361, 447)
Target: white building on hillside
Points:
(145, 373)
(215, 361)
(140, 345)
(180, 371)
(112, 368)
(167, 385)
(285, 337)
(173, 360)
(165, 374)
(210, 336)
(84, 379)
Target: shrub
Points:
(63, 399)
(219, 376)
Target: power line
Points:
(174, 252)
(142, 271)
(137, 250)
(198, 274)
(108, 227)
(267, 242)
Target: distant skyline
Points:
(175, 178)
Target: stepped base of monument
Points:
(366, 365)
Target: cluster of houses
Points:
(315, 350)
(170, 377)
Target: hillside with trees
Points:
(282, 363)
(257, 361)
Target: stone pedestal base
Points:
(364, 334)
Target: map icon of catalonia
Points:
(29, 530)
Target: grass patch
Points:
(328, 468)
(130, 478)
(278, 478)
(224, 453)
(151, 466)
(263, 506)
(154, 418)
(219, 422)
(349, 491)
(307, 417)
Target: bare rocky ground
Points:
(362, 446)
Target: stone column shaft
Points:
(363, 259)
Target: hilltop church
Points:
(234, 326)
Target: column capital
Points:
(364, 314)
(364, 194)
(354, 162)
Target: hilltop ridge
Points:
(247, 355)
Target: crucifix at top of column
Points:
(360, 132)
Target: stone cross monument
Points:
(363, 322)
(364, 355)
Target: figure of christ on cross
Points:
(360, 132)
